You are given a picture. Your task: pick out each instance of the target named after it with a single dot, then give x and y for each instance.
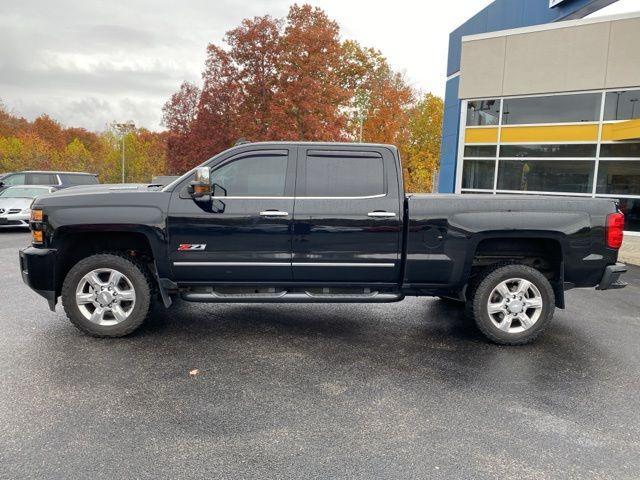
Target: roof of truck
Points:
(324, 144)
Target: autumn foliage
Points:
(290, 78)
(44, 144)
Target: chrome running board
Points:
(291, 297)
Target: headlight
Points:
(35, 222)
(36, 215)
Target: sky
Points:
(87, 63)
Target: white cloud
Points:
(88, 63)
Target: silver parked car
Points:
(15, 204)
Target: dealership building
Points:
(540, 100)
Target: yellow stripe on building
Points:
(629, 130)
(481, 135)
(550, 133)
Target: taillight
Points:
(615, 228)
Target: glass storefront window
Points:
(562, 168)
(629, 150)
(480, 151)
(555, 150)
(483, 112)
(478, 174)
(619, 177)
(566, 176)
(584, 107)
(624, 105)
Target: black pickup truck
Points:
(315, 222)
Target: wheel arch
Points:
(541, 250)
(74, 244)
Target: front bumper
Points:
(38, 266)
(611, 277)
(15, 220)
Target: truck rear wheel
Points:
(107, 295)
(513, 304)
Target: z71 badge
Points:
(191, 247)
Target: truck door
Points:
(347, 223)
(244, 234)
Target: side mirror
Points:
(200, 187)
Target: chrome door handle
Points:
(381, 214)
(274, 213)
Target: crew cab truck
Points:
(315, 222)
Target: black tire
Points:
(494, 276)
(137, 275)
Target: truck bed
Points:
(445, 231)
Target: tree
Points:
(49, 131)
(423, 148)
(179, 115)
(36, 154)
(11, 125)
(145, 154)
(10, 154)
(381, 97)
(310, 100)
(216, 126)
(255, 49)
(74, 157)
(180, 111)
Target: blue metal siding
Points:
(448, 150)
(450, 132)
(500, 15)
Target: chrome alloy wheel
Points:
(515, 305)
(105, 296)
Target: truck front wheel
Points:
(107, 295)
(513, 304)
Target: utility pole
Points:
(123, 129)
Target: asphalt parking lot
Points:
(408, 390)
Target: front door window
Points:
(259, 175)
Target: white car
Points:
(15, 204)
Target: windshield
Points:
(23, 192)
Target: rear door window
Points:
(42, 179)
(80, 179)
(343, 174)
